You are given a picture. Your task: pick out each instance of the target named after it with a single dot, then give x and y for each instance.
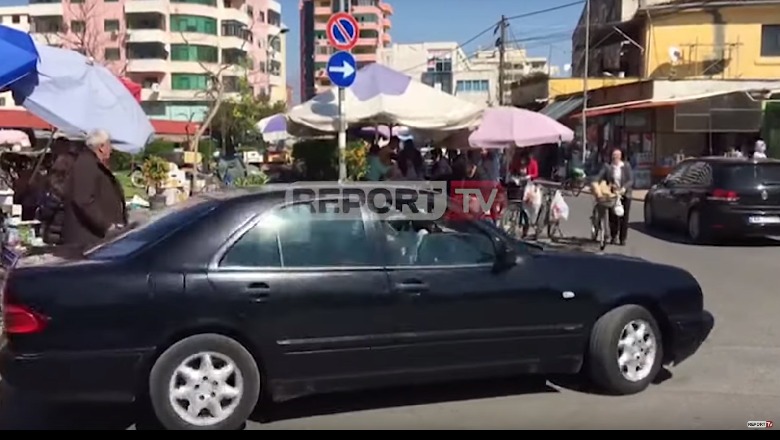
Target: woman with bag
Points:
(619, 175)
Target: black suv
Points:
(718, 197)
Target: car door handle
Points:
(413, 287)
(258, 292)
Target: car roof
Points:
(723, 160)
(275, 190)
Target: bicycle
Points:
(544, 218)
(572, 181)
(515, 215)
(599, 220)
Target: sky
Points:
(417, 21)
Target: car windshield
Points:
(152, 227)
(751, 174)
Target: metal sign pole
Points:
(342, 121)
(342, 138)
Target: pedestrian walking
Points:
(618, 175)
(94, 199)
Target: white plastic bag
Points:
(532, 200)
(619, 210)
(560, 209)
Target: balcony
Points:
(147, 36)
(229, 42)
(45, 9)
(194, 38)
(370, 42)
(274, 5)
(146, 7)
(366, 57)
(323, 11)
(366, 10)
(48, 38)
(387, 23)
(386, 38)
(387, 8)
(193, 9)
(370, 25)
(150, 65)
(192, 67)
(234, 14)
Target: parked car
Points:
(228, 298)
(717, 198)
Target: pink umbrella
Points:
(504, 127)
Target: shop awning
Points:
(560, 109)
(24, 119)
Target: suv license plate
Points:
(764, 220)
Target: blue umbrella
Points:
(77, 96)
(18, 53)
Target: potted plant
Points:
(155, 170)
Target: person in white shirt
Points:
(759, 151)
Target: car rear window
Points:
(157, 227)
(750, 174)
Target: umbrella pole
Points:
(43, 155)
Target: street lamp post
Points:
(269, 51)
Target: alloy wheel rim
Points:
(206, 388)
(636, 350)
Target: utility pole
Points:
(503, 24)
(585, 81)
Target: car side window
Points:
(699, 173)
(675, 175)
(301, 235)
(435, 242)
(258, 247)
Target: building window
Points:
(250, 11)
(274, 19)
(111, 25)
(184, 52)
(191, 23)
(111, 54)
(197, 2)
(184, 81)
(366, 18)
(472, 85)
(2, 102)
(770, 40)
(261, 17)
(15, 19)
(77, 26)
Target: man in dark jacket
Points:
(95, 201)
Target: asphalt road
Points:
(732, 379)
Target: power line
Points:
(544, 11)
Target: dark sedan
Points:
(717, 198)
(206, 309)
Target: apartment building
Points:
(517, 66)
(374, 18)
(445, 66)
(171, 47)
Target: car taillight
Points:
(20, 320)
(722, 195)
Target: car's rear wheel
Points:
(696, 233)
(648, 214)
(204, 382)
(626, 351)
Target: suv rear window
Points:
(739, 175)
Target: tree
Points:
(86, 32)
(237, 119)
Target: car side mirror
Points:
(506, 257)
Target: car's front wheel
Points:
(204, 382)
(626, 351)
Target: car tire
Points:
(229, 386)
(619, 362)
(648, 215)
(694, 230)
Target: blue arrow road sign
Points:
(342, 69)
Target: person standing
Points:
(619, 175)
(94, 200)
(759, 151)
